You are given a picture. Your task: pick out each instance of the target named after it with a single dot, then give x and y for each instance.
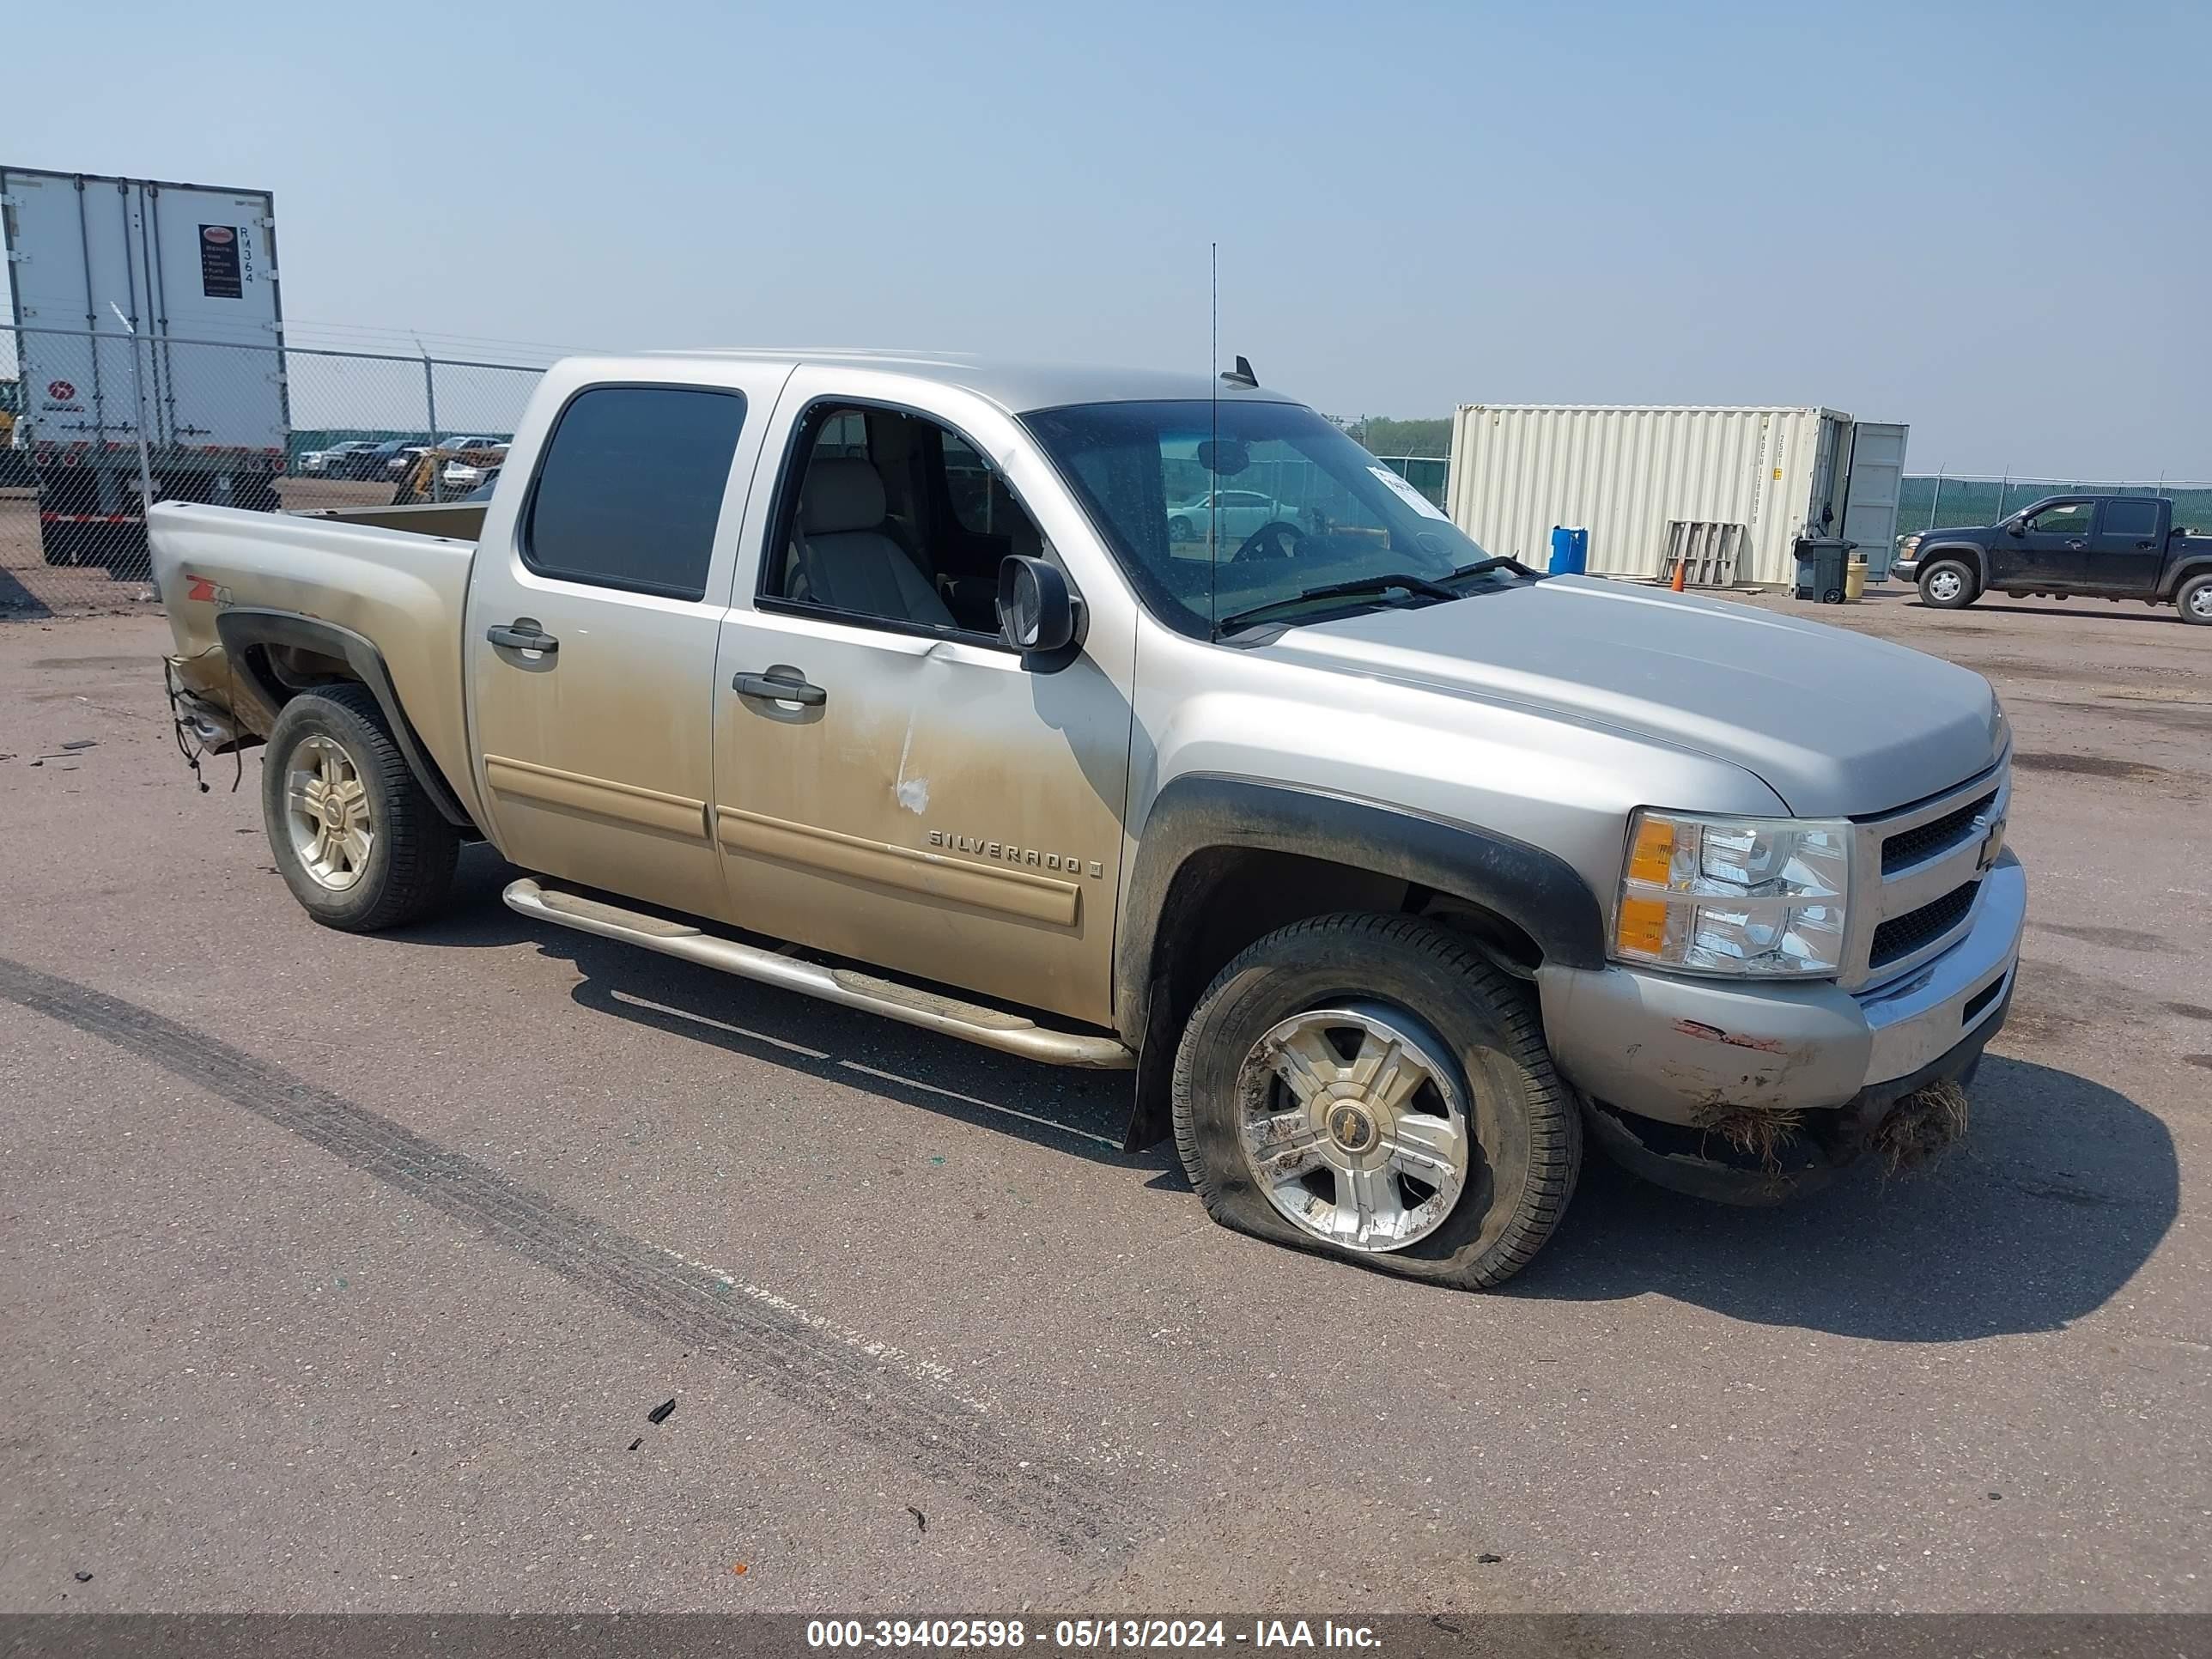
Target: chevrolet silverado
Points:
(1389, 867)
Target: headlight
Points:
(1753, 896)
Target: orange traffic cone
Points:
(1681, 568)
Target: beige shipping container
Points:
(1738, 485)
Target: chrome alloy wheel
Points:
(327, 813)
(2200, 603)
(1946, 586)
(1354, 1123)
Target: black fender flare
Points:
(2183, 573)
(1537, 890)
(242, 628)
(1973, 553)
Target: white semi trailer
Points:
(150, 342)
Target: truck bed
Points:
(405, 591)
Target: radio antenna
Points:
(1213, 453)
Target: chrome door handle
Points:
(780, 683)
(523, 633)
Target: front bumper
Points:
(1682, 1050)
(1905, 570)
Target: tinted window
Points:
(2068, 518)
(630, 487)
(2137, 520)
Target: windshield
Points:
(1216, 510)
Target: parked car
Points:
(2107, 547)
(403, 460)
(379, 463)
(1241, 512)
(333, 462)
(465, 473)
(1389, 867)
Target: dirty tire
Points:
(2194, 601)
(1523, 1119)
(409, 869)
(1948, 585)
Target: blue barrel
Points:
(1569, 550)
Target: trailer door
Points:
(1870, 502)
(209, 265)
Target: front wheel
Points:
(1368, 1087)
(2194, 601)
(1178, 529)
(356, 838)
(1949, 586)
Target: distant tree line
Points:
(1384, 436)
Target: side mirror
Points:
(1036, 613)
(2015, 527)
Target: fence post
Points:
(430, 407)
(137, 416)
(1936, 500)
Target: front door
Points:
(2051, 550)
(592, 618)
(2127, 553)
(923, 799)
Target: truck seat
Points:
(844, 557)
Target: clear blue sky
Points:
(1993, 223)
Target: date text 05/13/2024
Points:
(1087, 1634)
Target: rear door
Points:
(2128, 550)
(594, 606)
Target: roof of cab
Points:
(1016, 387)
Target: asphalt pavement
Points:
(349, 1273)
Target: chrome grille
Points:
(1916, 873)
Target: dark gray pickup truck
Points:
(2111, 547)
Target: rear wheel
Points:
(1368, 1087)
(1179, 530)
(357, 841)
(2194, 601)
(1947, 585)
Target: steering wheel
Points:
(1278, 538)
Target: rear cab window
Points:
(629, 488)
(2130, 518)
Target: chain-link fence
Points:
(1940, 500)
(101, 421)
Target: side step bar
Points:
(994, 1028)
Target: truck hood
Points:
(1836, 724)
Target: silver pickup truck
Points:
(1391, 868)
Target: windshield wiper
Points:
(1483, 566)
(1357, 585)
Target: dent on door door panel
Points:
(947, 815)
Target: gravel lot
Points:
(343, 1273)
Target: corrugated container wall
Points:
(1628, 474)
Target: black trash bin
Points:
(1821, 564)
